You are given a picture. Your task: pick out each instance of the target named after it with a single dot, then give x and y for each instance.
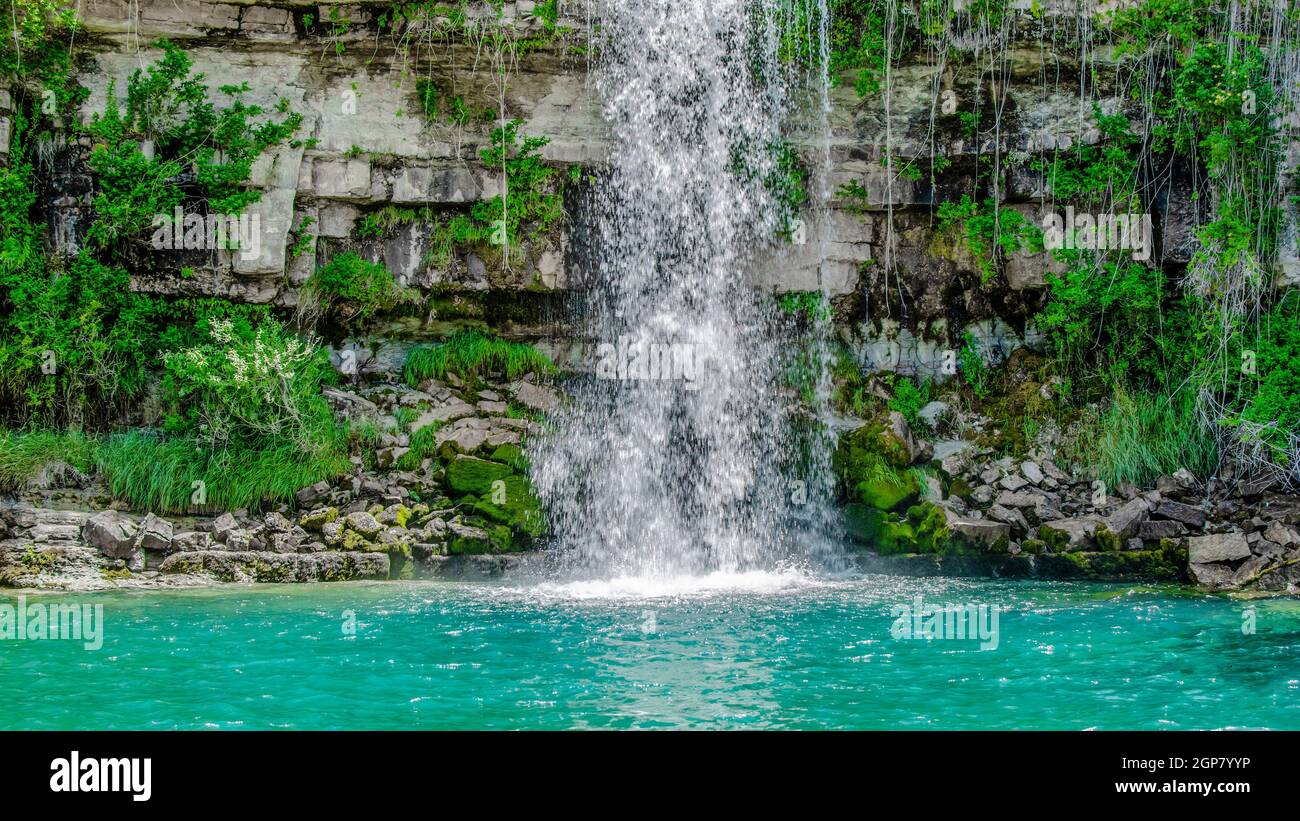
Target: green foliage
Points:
(1100, 175)
(472, 353)
(784, 178)
(1264, 399)
(973, 368)
(531, 208)
(244, 385)
(909, 397)
(168, 105)
(989, 232)
(809, 306)
(161, 474)
(858, 43)
(1119, 323)
(1140, 437)
(353, 288)
(22, 455)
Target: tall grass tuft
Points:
(1140, 437)
(163, 475)
(473, 353)
(23, 453)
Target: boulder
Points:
(1157, 529)
(1069, 534)
(223, 526)
(155, 533)
(1126, 521)
(1032, 472)
(982, 532)
(1219, 547)
(1179, 512)
(365, 524)
(313, 493)
(111, 532)
(536, 397)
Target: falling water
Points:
(671, 461)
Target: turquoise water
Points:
(764, 651)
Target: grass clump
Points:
(179, 474)
(1140, 437)
(473, 353)
(22, 454)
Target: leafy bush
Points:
(472, 353)
(22, 454)
(989, 232)
(1119, 323)
(246, 386)
(355, 289)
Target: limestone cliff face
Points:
(354, 71)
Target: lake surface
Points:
(778, 650)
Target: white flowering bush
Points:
(245, 384)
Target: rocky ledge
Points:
(441, 492)
(954, 508)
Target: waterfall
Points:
(673, 458)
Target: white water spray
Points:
(673, 460)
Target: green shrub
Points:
(472, 353)
(248, 386)
(990, 233)
(165, 474)
(355, 289)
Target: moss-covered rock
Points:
(470, 475)
(318, 518)
(513, 503)
(922, 530)
(511, 455)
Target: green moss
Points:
(468, 475)
(870, 463)
(317, 519)
(515, 505)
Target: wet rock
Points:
(536, 397)
(279, 567)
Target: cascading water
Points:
(674, 459)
